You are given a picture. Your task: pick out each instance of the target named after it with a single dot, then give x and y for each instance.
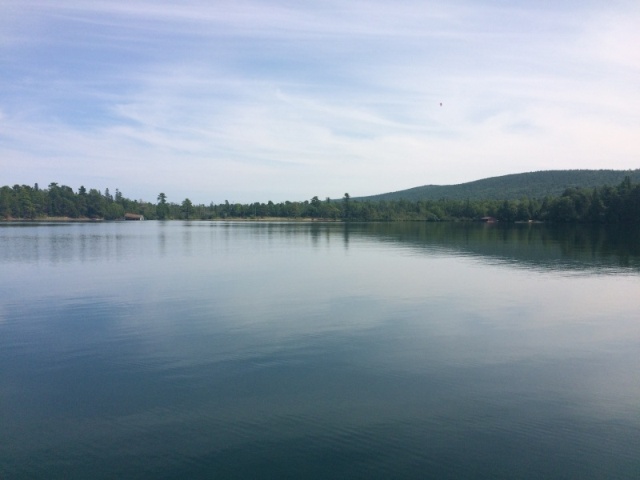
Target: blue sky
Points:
(283, 100)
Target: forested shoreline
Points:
(608, 204)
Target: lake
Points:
(154, 350)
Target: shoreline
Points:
(53, 219)
(228, 219)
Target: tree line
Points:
(608, 204)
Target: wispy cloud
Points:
(255, 101)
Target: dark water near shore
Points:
(255, 350)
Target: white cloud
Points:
(256, 101)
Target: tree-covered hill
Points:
(513, 187)
(614, 204)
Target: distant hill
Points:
(514, 186)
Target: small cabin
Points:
(133, 216)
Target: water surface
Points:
(309, 350)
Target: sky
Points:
(278, 100)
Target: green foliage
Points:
(162, 209)
(515, 186)
(186, 208)
(604, 204)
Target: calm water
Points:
(250, 350)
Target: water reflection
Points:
(546, 247)
(281, 350)
(570, 248)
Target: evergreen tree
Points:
(162, 209)
(186, 208)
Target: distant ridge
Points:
(514, 186)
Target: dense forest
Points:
(608, 204)
(515, 186)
